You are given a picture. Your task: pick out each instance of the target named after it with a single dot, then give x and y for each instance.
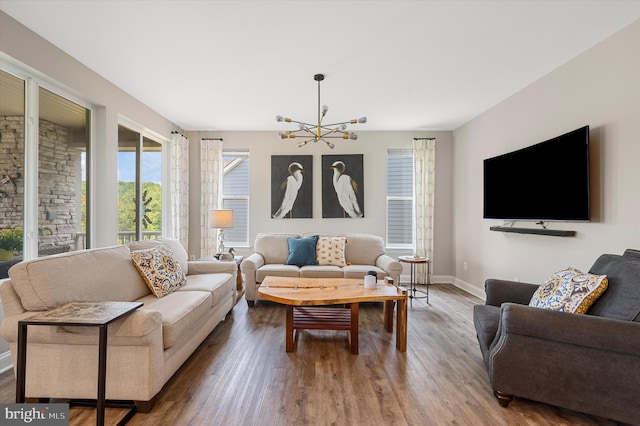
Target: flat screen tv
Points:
(548, 181)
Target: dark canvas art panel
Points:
(291, 186)
(342, 186)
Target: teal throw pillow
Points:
(302, 251)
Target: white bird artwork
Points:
(291, 185)
(346, 189)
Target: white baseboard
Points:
(470, 288)
(450, 279)
(442, 279)
(5, 362)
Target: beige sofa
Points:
(144, 349)
(363, 253)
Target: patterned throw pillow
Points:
(160, 270)
(569, 290)
(330, 251)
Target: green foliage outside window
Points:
(11, 239)
(127, 206)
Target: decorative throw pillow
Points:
(302, 251)
(569, 290)
(330, 251)
(160, 270)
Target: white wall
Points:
(373, 146)
(600, 88)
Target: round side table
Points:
(413, 261)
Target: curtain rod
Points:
(211, 139)
(424, 139)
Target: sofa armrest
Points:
(572, 329)
(249, 266)
(197, 267)
(503, 291)
(11, 303)
(9, 325)
(391, 265)
(252, 263)
(582, 362)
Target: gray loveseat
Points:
(363, 253)
(144, 349)
(588, 363)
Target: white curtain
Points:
(179, 188)
(424, 186)
(211, 169)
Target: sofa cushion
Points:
(90, 275)
(172, 244)
(278, 270)
(180, 312)
(274, 248)
(219, 285)
(569, 290)
(622, 298)
(321, 271)
(363, 249)
(160, 270)
(302, 251)
(330, 251)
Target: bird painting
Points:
(346, 189)
(291, 186)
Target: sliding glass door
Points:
(139, 186)
(12, 128)
(44, 169)
(63, 144)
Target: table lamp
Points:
(221, 218)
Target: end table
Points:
(413, 261)
(83, 314)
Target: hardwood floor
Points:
(241, 375)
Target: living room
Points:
(598, 87)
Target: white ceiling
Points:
(406, 65)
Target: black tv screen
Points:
(548, 181)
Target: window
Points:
(62, 178)
(44, 169)
(139, 179)
(12, 143)
(235, 196)
(400, 223)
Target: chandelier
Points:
(319, 131)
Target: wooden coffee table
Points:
(306, 301)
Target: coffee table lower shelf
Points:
(323, 318)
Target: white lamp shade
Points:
(221, 218)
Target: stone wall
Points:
(11, 162)
(57, 181)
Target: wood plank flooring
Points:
(241, 375)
